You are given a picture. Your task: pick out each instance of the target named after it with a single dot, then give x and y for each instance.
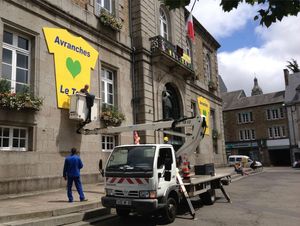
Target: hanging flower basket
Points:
(17, 101)
(212, 85)
(110, 20)
(110, 116)
(215, 134)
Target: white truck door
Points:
(164, 154)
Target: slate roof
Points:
(223, 88)
(238, 100)
(293, 89)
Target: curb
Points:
(50, 213)
(65, 219)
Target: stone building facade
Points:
(292, 103)
(257, 126)
(149, 57)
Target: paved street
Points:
(268, 198)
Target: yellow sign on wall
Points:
(73, 58)
(204, 109)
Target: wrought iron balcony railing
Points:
(160, 45)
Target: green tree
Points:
(269, 12)
(293, 66)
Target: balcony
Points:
(171, 56)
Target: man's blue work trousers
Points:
(78, 187)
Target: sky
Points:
(248, 49)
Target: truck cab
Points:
(142, 178)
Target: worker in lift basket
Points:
(89, 102)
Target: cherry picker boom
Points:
(144, 177)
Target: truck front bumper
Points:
(139, 205)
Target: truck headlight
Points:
(148, 194)
(109, 192)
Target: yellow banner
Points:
(73, 58)
(187, 58)
(204, 109)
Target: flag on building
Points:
(190, 27)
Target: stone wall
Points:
(81, 3)
(52, 133)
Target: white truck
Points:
(145, 177)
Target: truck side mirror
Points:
(167, 176)
(101, 168)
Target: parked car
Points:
(244, 159)
(296, 164)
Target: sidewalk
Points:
(55, 202)
(48, 203)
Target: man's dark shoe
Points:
(70, 200)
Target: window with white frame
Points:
(16, 61)
(247, 134)
(108, 142)
(163, 24)
(245, 117)
(275, 113)
(207, 67)
(107, 87)
(13, 138)
(103, 4)
(277, 131)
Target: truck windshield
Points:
(132, 158)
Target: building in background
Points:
(146, 68)
(292, 103)
(257, 126)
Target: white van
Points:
(244, 159)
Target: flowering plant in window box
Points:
(212, 85)
(18, 101)
(110, 20)
(110, 116)
(215, 134)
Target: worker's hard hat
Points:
(166, 139)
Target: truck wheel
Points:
(209, 197)
(122, 212)
(169, 213)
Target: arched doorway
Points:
(172, 109)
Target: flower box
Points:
(110, 116)
(212, 85)
(215, 134)
(19, 101)
(110, 20)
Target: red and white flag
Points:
(190, 27)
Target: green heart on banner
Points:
(74, 67)
(204, 113)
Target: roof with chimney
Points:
(238, 100)
(292, 88)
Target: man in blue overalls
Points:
(71, 173)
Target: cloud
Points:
(219, 23)
(279, 43)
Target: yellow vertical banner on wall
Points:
(73, 58)
(204, 109)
